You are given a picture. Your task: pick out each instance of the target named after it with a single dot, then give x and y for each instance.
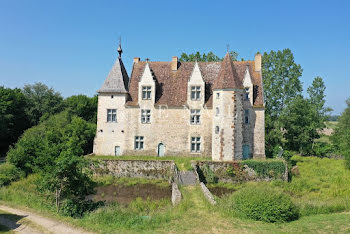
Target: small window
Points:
(217, 111)
(195, 93)
(217, 95)
(146, 92)
(145, 116)
(246, 94)
(195, 144)
(138, 142)
(195, 116)
(111, 115)
(246, 116)
(112, 96)
(217, 129)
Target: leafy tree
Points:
(281, 78)
(300, 122)
(67, 178)
(210, 57)
(42, 102)
(83, 107)
(40, 145)
(341, 136)
(317, 97)
(13, 120)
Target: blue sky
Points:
(71, 45)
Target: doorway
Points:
(246, 152)
(117, 151)
(161, 150)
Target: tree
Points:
(42, 102)
(341, 136)
(13, 120)
(67, 178)
(300, 122)
(210, 57)
(40, 145)
(317, 97)
(281, 79)
(83, 107)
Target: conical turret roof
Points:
(117, 80)
(227, 77)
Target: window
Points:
(111, 115)
(146, 92)
(112, 96)
(195, 116)
(217, 111)
(246, 116)
(145, 116)
(138, 142)
(246, 93)
(195, 93)
(195, 144)
(217, 95)
(217, 129)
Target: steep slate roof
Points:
(227, 77)
(171, 86)
(117, 80)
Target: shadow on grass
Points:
(10, 222)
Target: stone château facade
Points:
(182, 108)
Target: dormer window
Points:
(146, 92)
(195, 93)
(246, 94)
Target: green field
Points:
(321, 191)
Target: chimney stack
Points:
(174, 63)
(136, 59)
(257, 61)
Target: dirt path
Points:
(45, 225)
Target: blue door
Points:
(246, 152)
(161, 150)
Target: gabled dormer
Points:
(196, 88)
(147, 87)
(248, 86)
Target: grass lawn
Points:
(182, 163)
(322, 191)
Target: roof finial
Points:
(120, 51)
(228, 48)
(147, 60)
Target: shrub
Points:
(9, 173)
(76, 208)
(209, 175)
(260, 202)
(266, 168)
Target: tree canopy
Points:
(209, 57)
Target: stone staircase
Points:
(187, 178)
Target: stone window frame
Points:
(145, 116)
(111, 115)
(195, 145)
(195, 93)
(138, 142)
(195, 116)
(146, 92)
(246, 116)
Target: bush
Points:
(76, 208)
(9, 173)
(261, 202)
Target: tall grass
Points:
(323, 185)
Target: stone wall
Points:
(241, 171)
(151, 169)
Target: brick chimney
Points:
(136, 59)
(174, 63)
(257, 61)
